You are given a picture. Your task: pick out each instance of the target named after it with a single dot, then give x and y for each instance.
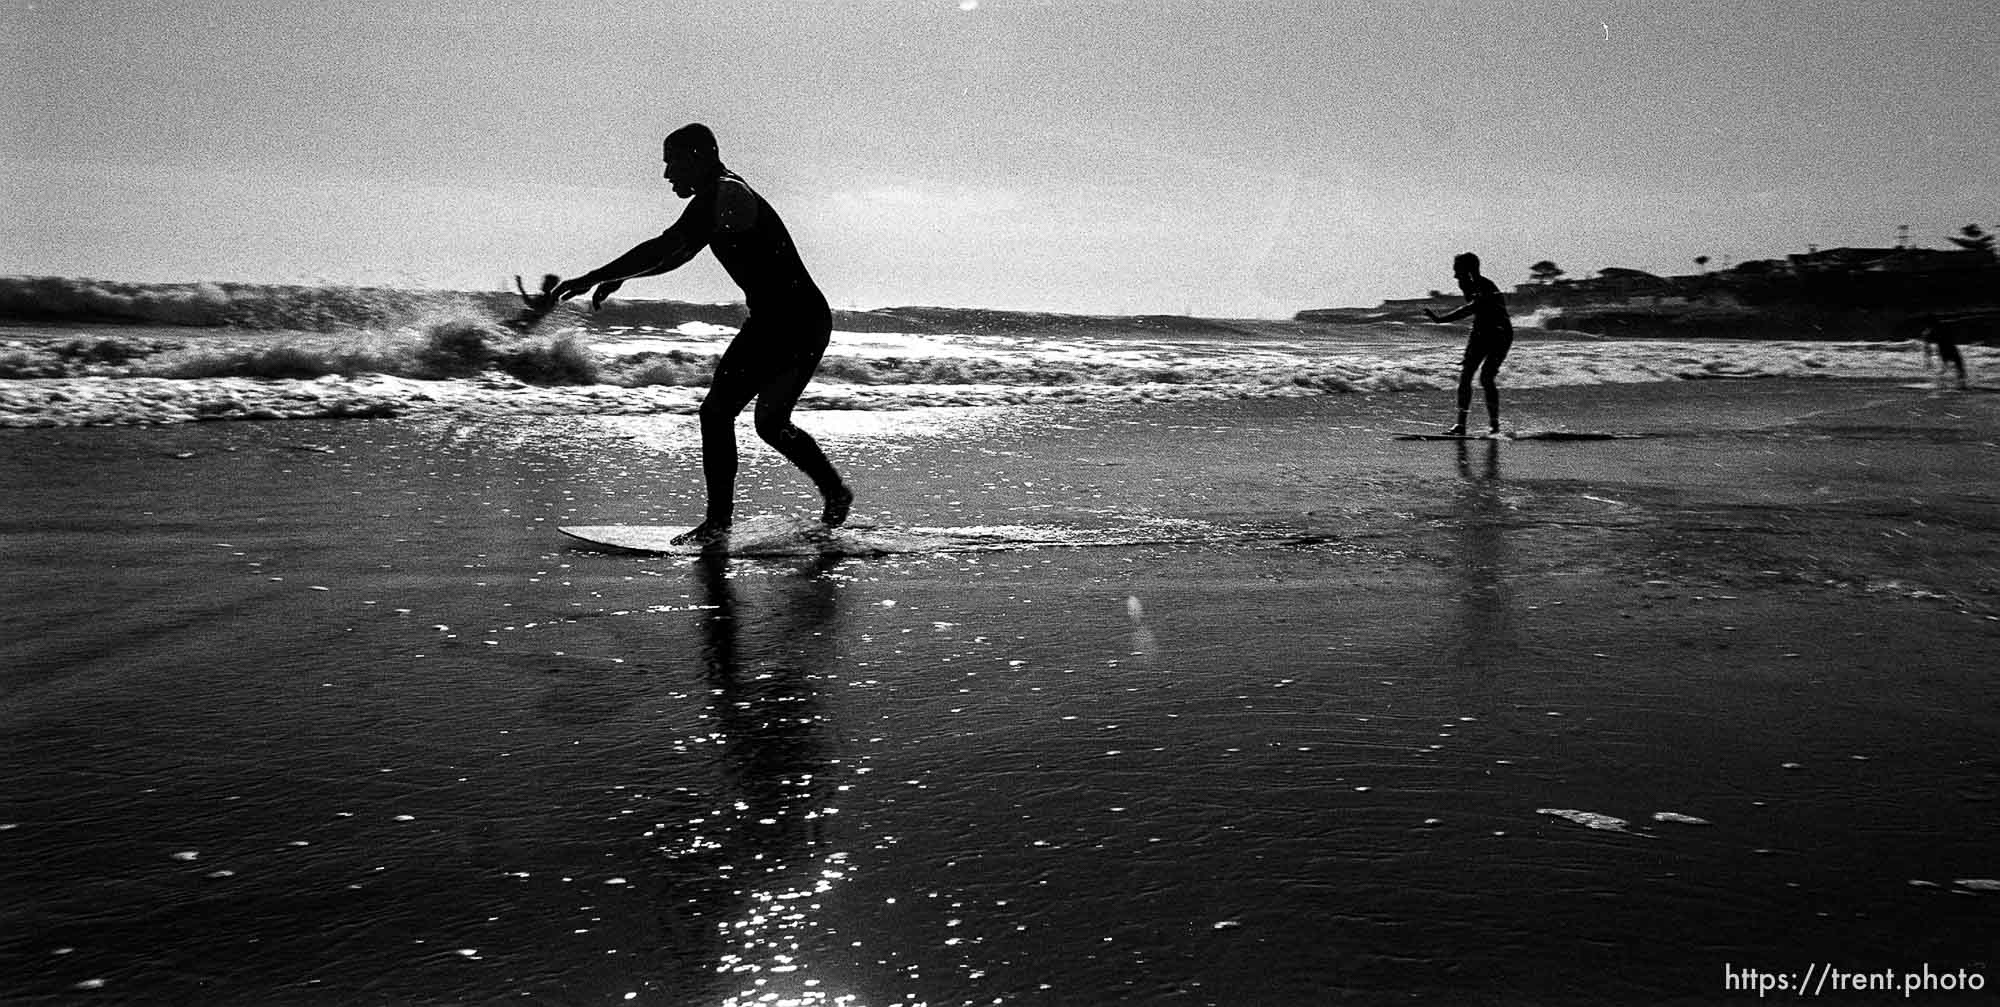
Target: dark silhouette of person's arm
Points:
(1481, 296)
(671, 250)
(674, 248)
(1471, 304)
(1455, 314)
(734, 209)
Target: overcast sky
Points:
(1247, 159)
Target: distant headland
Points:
(1834, 293)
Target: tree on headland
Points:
(1975, 239)
(1701, 263)
(1544, 272)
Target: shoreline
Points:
(151, 402)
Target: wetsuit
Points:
(1492, 329)
(778, 347)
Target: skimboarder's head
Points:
(1465, 264)
(691, 158)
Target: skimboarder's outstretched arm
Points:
(1471, 304)
(671, 250)
(729, 208)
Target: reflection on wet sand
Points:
(742, 883)
(1485, 636)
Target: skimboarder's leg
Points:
(1466, 369)
(1948, 356)
(732, 388)
(775, 402)
(1496, 353)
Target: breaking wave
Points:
(371, 352)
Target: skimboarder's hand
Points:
(604, 290)
(576, 285)
(571, 287)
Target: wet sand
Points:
(328, 712)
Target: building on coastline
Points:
(1845, 292)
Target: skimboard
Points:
(755, 537)
(799, 536)
(1932, 386)
(1571, 435)
(1523, 435)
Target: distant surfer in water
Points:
(780, 344)
(1492, 336)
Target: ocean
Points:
(113, 374)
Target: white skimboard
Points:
(798, 536)
(1523, 435)
(763, 536)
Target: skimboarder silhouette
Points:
(1936, 332)
(1492, 336)
(779, 345)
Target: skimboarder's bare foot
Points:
(837, 504)
(708, 535)
(1457, 431)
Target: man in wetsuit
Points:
(779, 346)
(1492, 336)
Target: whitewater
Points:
(65, 375)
